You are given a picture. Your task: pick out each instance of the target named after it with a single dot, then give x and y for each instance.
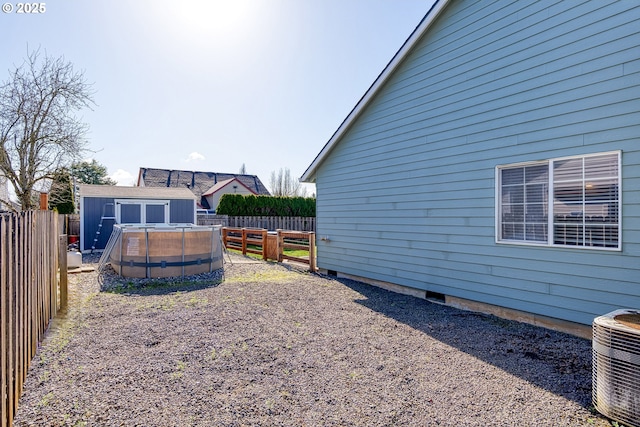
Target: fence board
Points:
(11, 328)
(29, 254)
(4, 323)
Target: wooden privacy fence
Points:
(271, 245)
(31, 251)
(271, 223)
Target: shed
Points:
(102, 206)
(494, 164)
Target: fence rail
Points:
(271, 223)
(30, 250)
(297, 240)
(240, 239)
(271, 245)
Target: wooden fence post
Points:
(264, 244)
(244, 241)
(280, 244)
(312, 252)
(62, 262)
(44, 201)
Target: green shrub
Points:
(240, 205)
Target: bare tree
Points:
(39, 132)
(284, 185)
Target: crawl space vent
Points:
(616, 366)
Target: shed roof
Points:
(407, 47)
(87, 190)
(198, 182)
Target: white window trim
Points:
(550, 216)
(143, 203)
(498, 204)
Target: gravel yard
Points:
(273, 345)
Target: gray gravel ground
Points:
(273, 345)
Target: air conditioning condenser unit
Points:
(616, 366)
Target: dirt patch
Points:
(272, 345)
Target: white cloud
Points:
(194, 157)
(124, 178)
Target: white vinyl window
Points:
(571, 201)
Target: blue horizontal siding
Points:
(182, 211)
(408, 194)
(92, 210)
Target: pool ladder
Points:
(102, 219)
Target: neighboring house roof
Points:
(407, 47)
(135, 192)
(198, 182)
(220, 185)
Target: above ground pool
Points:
(154, 251)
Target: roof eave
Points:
(309, 175)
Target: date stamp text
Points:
(24, 8)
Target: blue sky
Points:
(212, 85)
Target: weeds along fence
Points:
(272, 245)
(31, 293)
(271, 223)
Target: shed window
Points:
(572, 201)
(142, 211)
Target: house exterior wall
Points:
(407, 196)
(4, 193)
(214, 199)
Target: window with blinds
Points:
(568, 202)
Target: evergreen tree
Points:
(91, 173)
(61, 193)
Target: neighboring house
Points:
(101, 206)
(495, 163)
(201, 183)
(228, 186)
(4, 194)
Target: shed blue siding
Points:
(182, 211)
(92, 211)
(408, 194)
